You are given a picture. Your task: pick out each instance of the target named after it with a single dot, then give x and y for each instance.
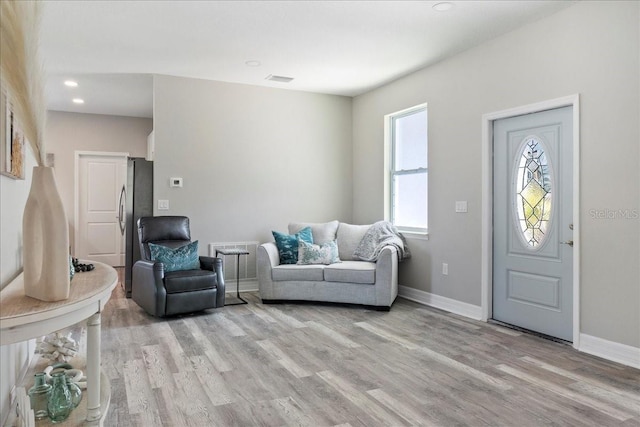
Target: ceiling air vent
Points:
(280, 79)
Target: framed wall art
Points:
(12, 141)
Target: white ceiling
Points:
(112, 48)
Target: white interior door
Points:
(532, 222)
(102, 178)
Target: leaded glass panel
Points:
(534, 193)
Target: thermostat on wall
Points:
(176, 182)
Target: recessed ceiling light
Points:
(253, 63)
(442, 7)
(78, 101)
(71, 83)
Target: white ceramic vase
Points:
(45, 234)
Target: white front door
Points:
(532, 222)
(102, 178)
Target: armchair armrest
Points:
(215, 264)
(209, 263)
(147, 287)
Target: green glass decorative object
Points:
(75, 391)
(60, 401)
(39, 396)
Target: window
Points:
(406, 197)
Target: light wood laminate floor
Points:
(318, 365)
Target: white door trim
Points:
(76, 187)
(487, 201)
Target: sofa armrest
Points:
(387, 276)
(272, 252)
(268, 258)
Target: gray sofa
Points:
(373, 284)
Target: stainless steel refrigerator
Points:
(139, 202)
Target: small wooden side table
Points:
(238, 252)
(23, 318)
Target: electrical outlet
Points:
(163, 205)
(445, 268)
(461, 206)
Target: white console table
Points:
(23, 318)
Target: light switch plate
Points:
(163, 205)
(461, 206)
(175, 182)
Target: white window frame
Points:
(390, 172)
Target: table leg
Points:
(242, 301)
(238, 281)
(93, 367)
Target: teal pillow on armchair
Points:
(182, 258)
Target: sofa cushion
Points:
(176, 259)
(187, 281)
(305, 273)
(288, 244)
(322, 232)
(351, 272)
(349, 237)
(326, 253)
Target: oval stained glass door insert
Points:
(534, 193)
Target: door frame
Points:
(76, 186)
(487, 201)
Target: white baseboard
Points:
(610, 350)
(246, 285)
(443, 303)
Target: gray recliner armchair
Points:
(162, 293)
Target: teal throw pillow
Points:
(182, 258)
(326, 253)
(288, 244)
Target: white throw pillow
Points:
(326, 253)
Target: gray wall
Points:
(591, 48)
(252, 158)
(68, 132)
